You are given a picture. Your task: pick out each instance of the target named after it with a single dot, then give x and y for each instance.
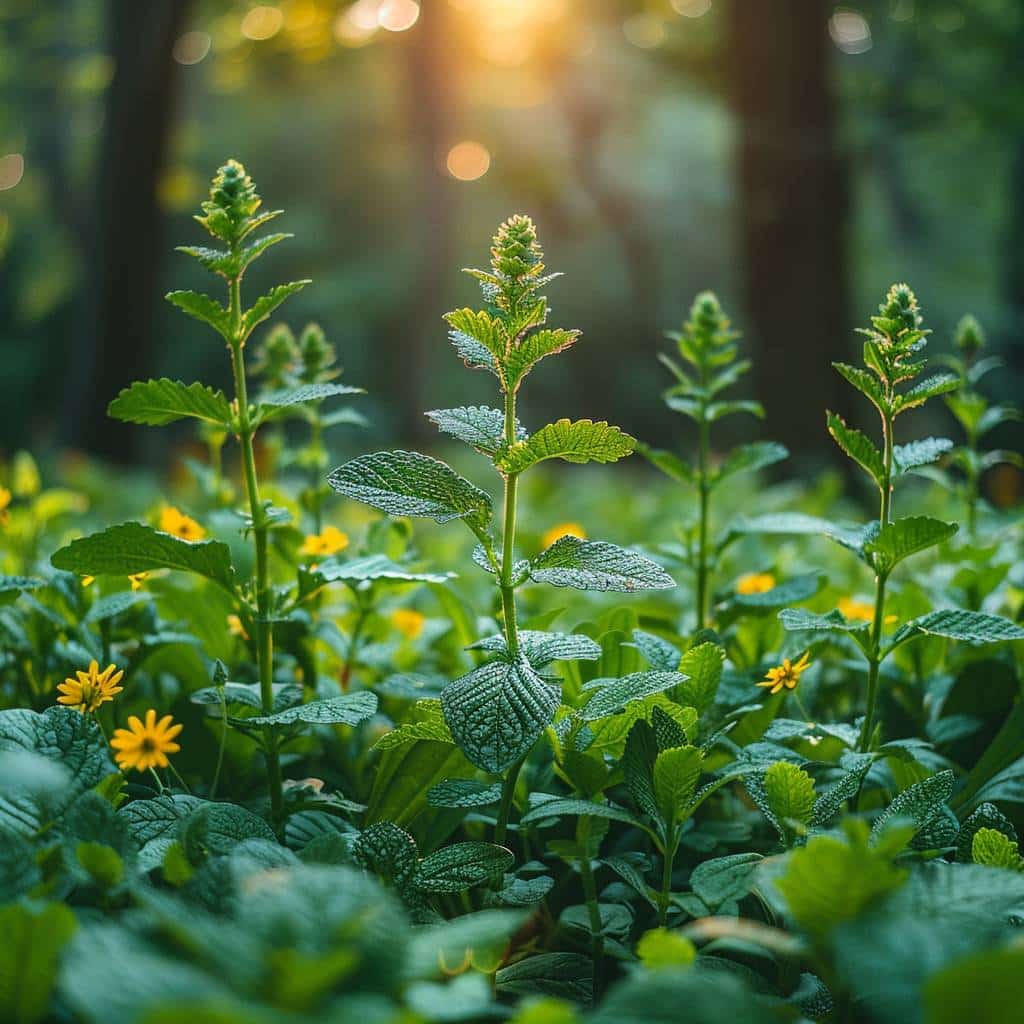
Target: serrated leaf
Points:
(156, 402)
(866, 383)
(574, 441)
(995, 850)
(748, 458)
(940, 384)
(481, 427)
(266, 304)
(401, 483)
(676, 772)
(905, 537)
(612, 695)
(857, 446)
(388, 851)
(537, 346)
(566, 976)
(722, 879)
(479, 326)
(921, 802)
(131, 548)
(669, 463)
(986, 815)
(659, 653)
(463, 793)
(957, 624)
(374, 567)
(906, 457)
(828, 805)
(597, 565)
(497, 711)
(797, 619)
(541, 649)
(346, 709)
(204, 308)
(460, 866)
(216, 828)
(306, 393)
(703, 664)
(790, 791)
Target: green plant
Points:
(707, 346)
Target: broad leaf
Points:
(659, 653)
(537, 346)
(905, 537)
(541, 649)
(907, 457)
(573, 441)
(724, 878)
(676, 772)
(463, 793)
(703, 665)
(796, 619)
(203, 308)
(131, 548)
(306, 393)
(497, 711)
(858, 446)
(410, 484)
(266, 304)
(612, 695)
(460, 866)
(346, 709)
(597, 565)
(568, 807)
(866, 383)
(374, 567)
(750, 457)
(940, 384)
(479, 426)
(156, 402)
(957, 624)
(790, 792)
(921, 802)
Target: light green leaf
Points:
(131, 548)
(597, 565)
(345, 709)
(203, 308)
(34, 937)
(480, 327)
(156, 402)
(541, 649)
(858, 446)
(669, 463)
(575, 441)
(403, 483)
(957, 624)
(375, 567)
(306, 393)
(790, 792)
(266, 304)
(988, 816)
(995, 850)
(612, 695)
(749, 458)
(716, 410)
(522, 359)
(703, 665)
(460, 866)
(910, 456)
(676, 772)
(497, 711)
(660, 948)
(479, 426)
(905, 537)
(796, 619)
(940, 384)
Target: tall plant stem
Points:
(703, 458)
(667, 864)
(875, 643)
(590, 895)
(264, 629)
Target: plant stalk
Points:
(593, 908)
(664, 896)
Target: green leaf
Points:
(866, 383)
(403, 483)
(956, 624)
(374, 567)
(940, 384)
(984, 816)
(569, 807)
(266, 304)
(216, 828)
(112, 605)
(718, 410)
(597, 565)
(828, 805)
(19, 872)
(669, 463)
(346, 709)
(203, 308)
(12, 586)
(676, 772)
(797, 588)
(703, 665)
(907, 457)
(658, 652)
(574, 441)
(612, 695)
(479, 426)
(388, 851)
(306, 393)
(797, 619)
(460, 866)
(567, 976)
(660, 948)
(156, 402)
(995, 850)
(749, 458)
(982, 986)
(723, 879)
(539, 345)
(790, 792)
(921, 802)
(34, 937)
(541, 649)
(858, 447)
(484, 330)
(497, 711)
(905, 537)
(131, 548)
(463, 793)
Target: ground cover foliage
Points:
(279, 750)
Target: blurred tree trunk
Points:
(116, 346)
(430, 111)
(792, 207)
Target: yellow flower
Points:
(88, 581)
(145, 745)
(235, 627)
(408, 621)
(90, 689)
(329, 541)
(854, 609)
(755, 583)
(5, 500)
(786, 675)
(563, 530)
(137, 580)
(178, 524)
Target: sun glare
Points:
(468, 161)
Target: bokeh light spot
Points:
(850, 31)
(262, 22)
(398, 15)
(468, 161)
(12, 169)
(644, 30)
(691, 8)
(191, 47)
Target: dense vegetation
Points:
(278, 757)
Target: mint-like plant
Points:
(498, 710)
(893, 363)
(711, 365)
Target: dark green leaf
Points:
(597, 565)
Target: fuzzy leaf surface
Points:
(612, 695)
(597, 565)
(574, 441)
(750, 457)
(676, 772)
(479, 426)
(905, 537)
(307, 393)
(346, 709)
(460, 866)
(266, 304)
(857, 446)
(203, 308)
(914, 454)
(957, 624)
(156, 402)
(541, 648)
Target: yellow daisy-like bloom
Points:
(138, 579)
(408, 622)
(854, 609)
(563, 530)
(91, 688)
(5, 500)
(145, 745)
(329, 541)
(755, 583)
(235, 627)
(786, 675)
(88, 581)
(178, 524)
